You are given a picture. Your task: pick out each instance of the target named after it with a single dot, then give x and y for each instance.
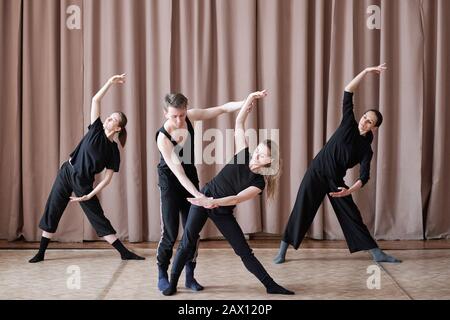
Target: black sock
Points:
(172, 289)
(42, 247)
(191, 283)
(125, 254)
(274, 288)
(172, 285)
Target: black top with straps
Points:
(184, 153)
(94, 153)
(346, 147)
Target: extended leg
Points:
(229, 227)
(355, 231)
(56, 204)
(309, 198)
(186, 250)
(191, 282)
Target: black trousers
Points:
(65, 183)
(313, 189)
(173, 203)
(226, 223)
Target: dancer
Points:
(178, 177)
(349, 145)
(243, 178)
(96, 151)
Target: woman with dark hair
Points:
(243, 178)
(95, 152)
(350, 145)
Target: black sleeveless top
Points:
(184, 153)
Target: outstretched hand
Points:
(116, 79)
(79, 199)
(378, 69)
(355, 82)
(252, 97)
(343, 193)
(250, 102)
(257, 94)
(205, 202)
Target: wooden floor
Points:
(320, 270)
(319, 274)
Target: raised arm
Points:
(209, 113)
(239, 129)
(168, 153)
(95, 105)
(351, 87)
(242, 196)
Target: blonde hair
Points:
(272, 171)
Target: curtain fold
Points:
(11, 218)
(51, 110)
(436, 150)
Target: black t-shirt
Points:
(346, 147)
(95, 152)
(235, 177)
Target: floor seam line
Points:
(397, 284)
(111, 282)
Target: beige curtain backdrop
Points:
(303, 52)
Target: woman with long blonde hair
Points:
(242, 179)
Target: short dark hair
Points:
(175, 100)
(379, 116)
